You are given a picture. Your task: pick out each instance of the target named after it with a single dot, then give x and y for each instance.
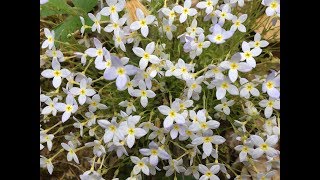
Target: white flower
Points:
(142, 22)
(143, 93)
(172, 114)
(115, 24)
(248, 54)
(223, 86)
(83, 27)
(219, 35)
(174, 165)
(192, 170)
(43, 1)
(184, 104)
(97, 52)
(257, 43)
(46, 138)
(46, 163)
(194, 86)
(234, 65)
(169, 13)
(129, 129)
(55, 54)
(91, 175)
(121, 72)
(120, 39)
(209, 173)
(170, 67)
(71, 151)
(73, 138)
(185, 11)
(193, 29)
(240, 2)
(269, 106)
(168, 28)
(98, 148)
(154, 152)
(83, 91)
(49, 42)
(83, 57)
(237, 23)
(198, 46)
(214, 71)
(273, 7)
(244, 150)
(182, 70)
(69, 107)
(113, 8)
(224, 106)
(146, 55)
(56, 73)
(208, 5)
(264, 146)
(94, 103)
(270, 126)
(248, 88)
(271, 84)
(224, 14)
(112, 130)
(96, 22)
(50, 108)
(140, 165)
(177, 129)
(207, 140)
(200, 121)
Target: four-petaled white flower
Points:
(167, 28)
(146, 55)
(185, 11)
(200, 121)
(113, 8)
(97, 52)
(129, 106)
(50, 108)
(115, 25)
(264, 146)
(143, 93)
(271, 84)
(273, 7)
(140, 165)
(55, 54)
(49, 42)
(94, 103)
(46, 138)
(174, 165)
(111, 130)
(269, 106)
(172, 114)
(128, 128)
(224, 14)
(98, 148)
(208, 5)
(56, 73)
(83, 91)
(244, 150)
(194, 86)
(70, 147)
(207, 140)
(219, 35)
(224, 106)
(248, 54)
(96, 22)
(169, 13)
(46, 163)
(237, 23)
(223, 86)
(192, 170)
(67, 108)
(209, 173)
(257, 43)
(142, 22)
(234, 65)
(248, 88)
(154, 152)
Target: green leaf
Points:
(70, 25)
(53, 7)
(86, 5)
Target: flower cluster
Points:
(163, 88)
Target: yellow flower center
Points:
(113, 9)
(270, 104)
(94, 103)
(218, 37)
(57, 73)
(270, 84)
(172, 114)
(204, 125)
(54, 53)
(50, 39)
(143, 93)
(121, 71)
(207, 139)
(82, 91)
(223, 14)
(168, 28)
(209, 174)
(69, 108)
(183, 70)
(200, 45)
(209, 3)
(264, 146)
(99, 52)
(131, 131)
(245, 149)
(143, 22)
(257, 44)
(115, 25)
(249, 87)
(146, 55)
(112, 128)
(141, 164)
(224, 85)
(185, 10)
(194, 85)
(234, 66)
(247, 54)
(274, 5)
(238, 23)
(176, 127)
(154, 151)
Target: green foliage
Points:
(86, 5)
(53, 7)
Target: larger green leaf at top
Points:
(86, 5)
(53, 7)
